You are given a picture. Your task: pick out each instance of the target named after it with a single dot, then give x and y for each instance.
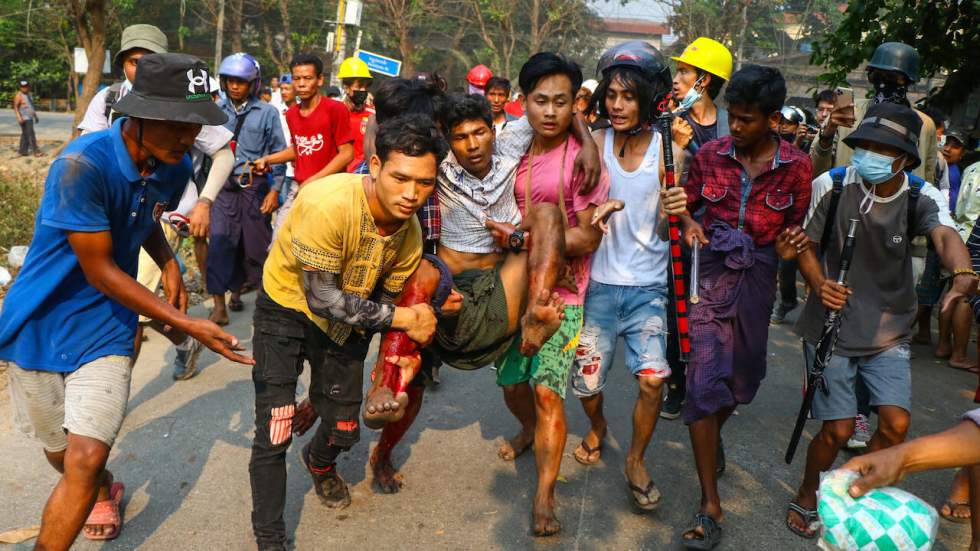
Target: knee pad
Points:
(281, 424)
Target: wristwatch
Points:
(516, 241)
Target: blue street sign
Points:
(380, 64)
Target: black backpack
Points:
(111, 97)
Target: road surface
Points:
(184, 448)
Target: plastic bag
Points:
(16, 256)
(883, 519)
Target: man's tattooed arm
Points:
(327, 300)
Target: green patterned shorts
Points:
(551, 365)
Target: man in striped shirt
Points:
(476, 192)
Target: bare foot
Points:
(383, 406)
(389, 481)
(543, 520)
(219, 316)
(516, 446)
(962, 363)
(955, 511)
(541, 320)
(943, 350)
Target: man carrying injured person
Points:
(476, 189)
(337, 264)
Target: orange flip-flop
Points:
(106, 513)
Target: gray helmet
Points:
(898, 57)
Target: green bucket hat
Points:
(142, 36)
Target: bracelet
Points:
(965, 271)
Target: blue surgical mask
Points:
(874, 168)
(690, 98)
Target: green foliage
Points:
(945, 33)
(20, 203)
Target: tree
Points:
(944, 32)
(89, 17)
(410, 23)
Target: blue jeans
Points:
(639, 315)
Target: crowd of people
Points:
(526, 226)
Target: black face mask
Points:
(358, 98)
(788, 136)
(888, 89)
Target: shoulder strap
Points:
(837, 175)
(239, 122)
(915, 190)
(110, 99)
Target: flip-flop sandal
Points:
(653, 501)
(106, 513)
(810, 518)
(589, 450)
(711, 537)
(236, 305)
(953, 505)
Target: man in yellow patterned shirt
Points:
(339, 261)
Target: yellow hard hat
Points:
(353, 67)
(708, 55)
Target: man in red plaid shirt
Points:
(755, 190)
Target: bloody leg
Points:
(399, 356)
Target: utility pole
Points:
(340, 40)
(219, 35)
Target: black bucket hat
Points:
(890, 124)
(172, 87)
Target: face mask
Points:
(358, 97)
(890, 92)
(690, 98)
(474, 89)
(874, 168)
(788, 136)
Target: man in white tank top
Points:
(627, 294)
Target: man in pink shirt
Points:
(534, 387)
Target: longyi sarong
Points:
(729, 327)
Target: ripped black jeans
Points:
(284, 339)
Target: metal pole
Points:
(339, 42)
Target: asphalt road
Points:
(52, 126)
(183, 454)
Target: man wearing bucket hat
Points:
(242, 231)
(891, 206)
(68, 323)
(137, 41)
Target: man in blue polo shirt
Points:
(68, 322)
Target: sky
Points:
(634, 9)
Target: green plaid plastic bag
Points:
(885, 519)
